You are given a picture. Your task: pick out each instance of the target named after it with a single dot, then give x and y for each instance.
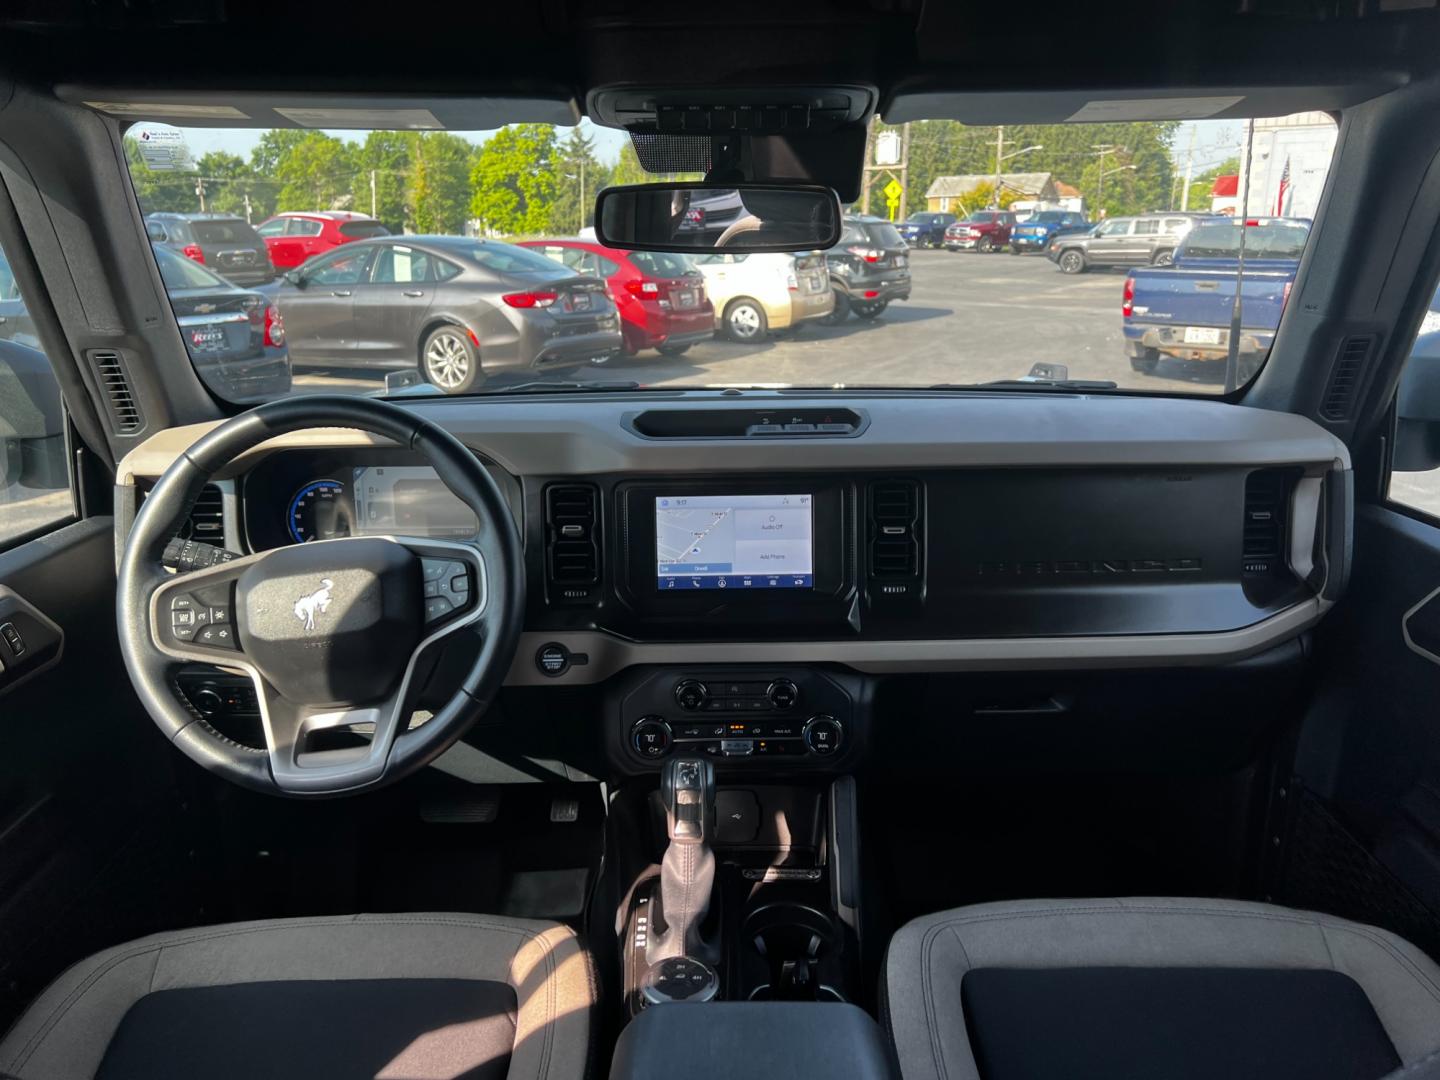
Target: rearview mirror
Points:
(703, 217)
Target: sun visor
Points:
(367, 112)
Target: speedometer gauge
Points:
(318, 511)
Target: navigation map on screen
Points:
(734, 542)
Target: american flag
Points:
(1284, 189)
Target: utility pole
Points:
(247, 209)
(582, 197)
(200, 190)
(373, 202)
(865, 172)
(1189, 170)
(999, 156)
(904, 167)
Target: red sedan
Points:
(294, 237)
(661, 297)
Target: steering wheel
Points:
(332, 633)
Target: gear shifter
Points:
(687, 871)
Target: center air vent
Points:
(895, 551)
(572, 543)
(1263, 542)
(114, 383)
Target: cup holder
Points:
(798, 945)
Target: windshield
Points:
(505, 255)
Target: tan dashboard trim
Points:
(157, 453)
(609, 655)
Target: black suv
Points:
(868, 268)
(222, 242)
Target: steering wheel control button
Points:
(651, 737)
(437, 608)
(217, 637)
(691, 695)
(822, 735)
(783, 694)
(446, 584)
(553, 659)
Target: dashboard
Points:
(926, 533)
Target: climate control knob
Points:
(783, 694)
(691, 695)
(651, 737)
(822, 735)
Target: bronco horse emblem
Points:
(307, 607)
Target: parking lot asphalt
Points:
(970, 318)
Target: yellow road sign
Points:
(893, 191)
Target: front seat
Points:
(1166, 989)
(388, 997)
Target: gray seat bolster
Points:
(64, 1034)
(929, 957)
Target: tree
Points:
(273, 145)
(513, 180)
(1201, 185)
(578, 168)
(385, 155)
(316, 172)
(438, 192)
(229, 183)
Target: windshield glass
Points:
(497, 280)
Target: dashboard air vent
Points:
(1264, 533)
(572, 543)
(114, 382)
(1343, 390)
(894, 537)
(206, 522)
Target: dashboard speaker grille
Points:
(114, 381)
(1342, 392)
(572, 545)
(894, 530)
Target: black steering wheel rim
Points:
(494, 626)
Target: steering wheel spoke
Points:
(193, 618)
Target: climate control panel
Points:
(784, 718)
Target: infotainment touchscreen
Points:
(734, 542)
(409, 500)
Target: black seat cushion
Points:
(314, 1030)
(1107, 1023)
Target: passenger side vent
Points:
(1343, 390)
(206, 522)
(1262, 550)
(894, 538)
(572, 543)
(114, 383)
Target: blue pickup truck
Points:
(1036, 231)
(1185, 310)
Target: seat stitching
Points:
(927, 994)
(33, 1044)
(1298, 920)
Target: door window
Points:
(401, 266)
(35, 491)
(1414, 480)
(1147, 228)
(1113, 228)
(273, 228)
(342, 268)
(299, 226)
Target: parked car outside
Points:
(1039, 229)
(983, 231)
(296, 236)
(661, 297)
(235, 337)
(868, 268)
(15, 321)
(753, 293)
(1185, 310)
(459, 309)
(712, 213)
(925, 228)
(224, 243)
(1142, 240)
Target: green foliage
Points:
(577, 168)
(439, 190)
(1068, 151)
(1201, 183)
(159, 192)
(316, 172)
(514, 180)
(385, 155)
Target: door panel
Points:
(1359, 823)
(389, 309)
(93, 841)
(320, 317)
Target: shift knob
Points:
(687, 788)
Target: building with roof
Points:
(949, 193)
